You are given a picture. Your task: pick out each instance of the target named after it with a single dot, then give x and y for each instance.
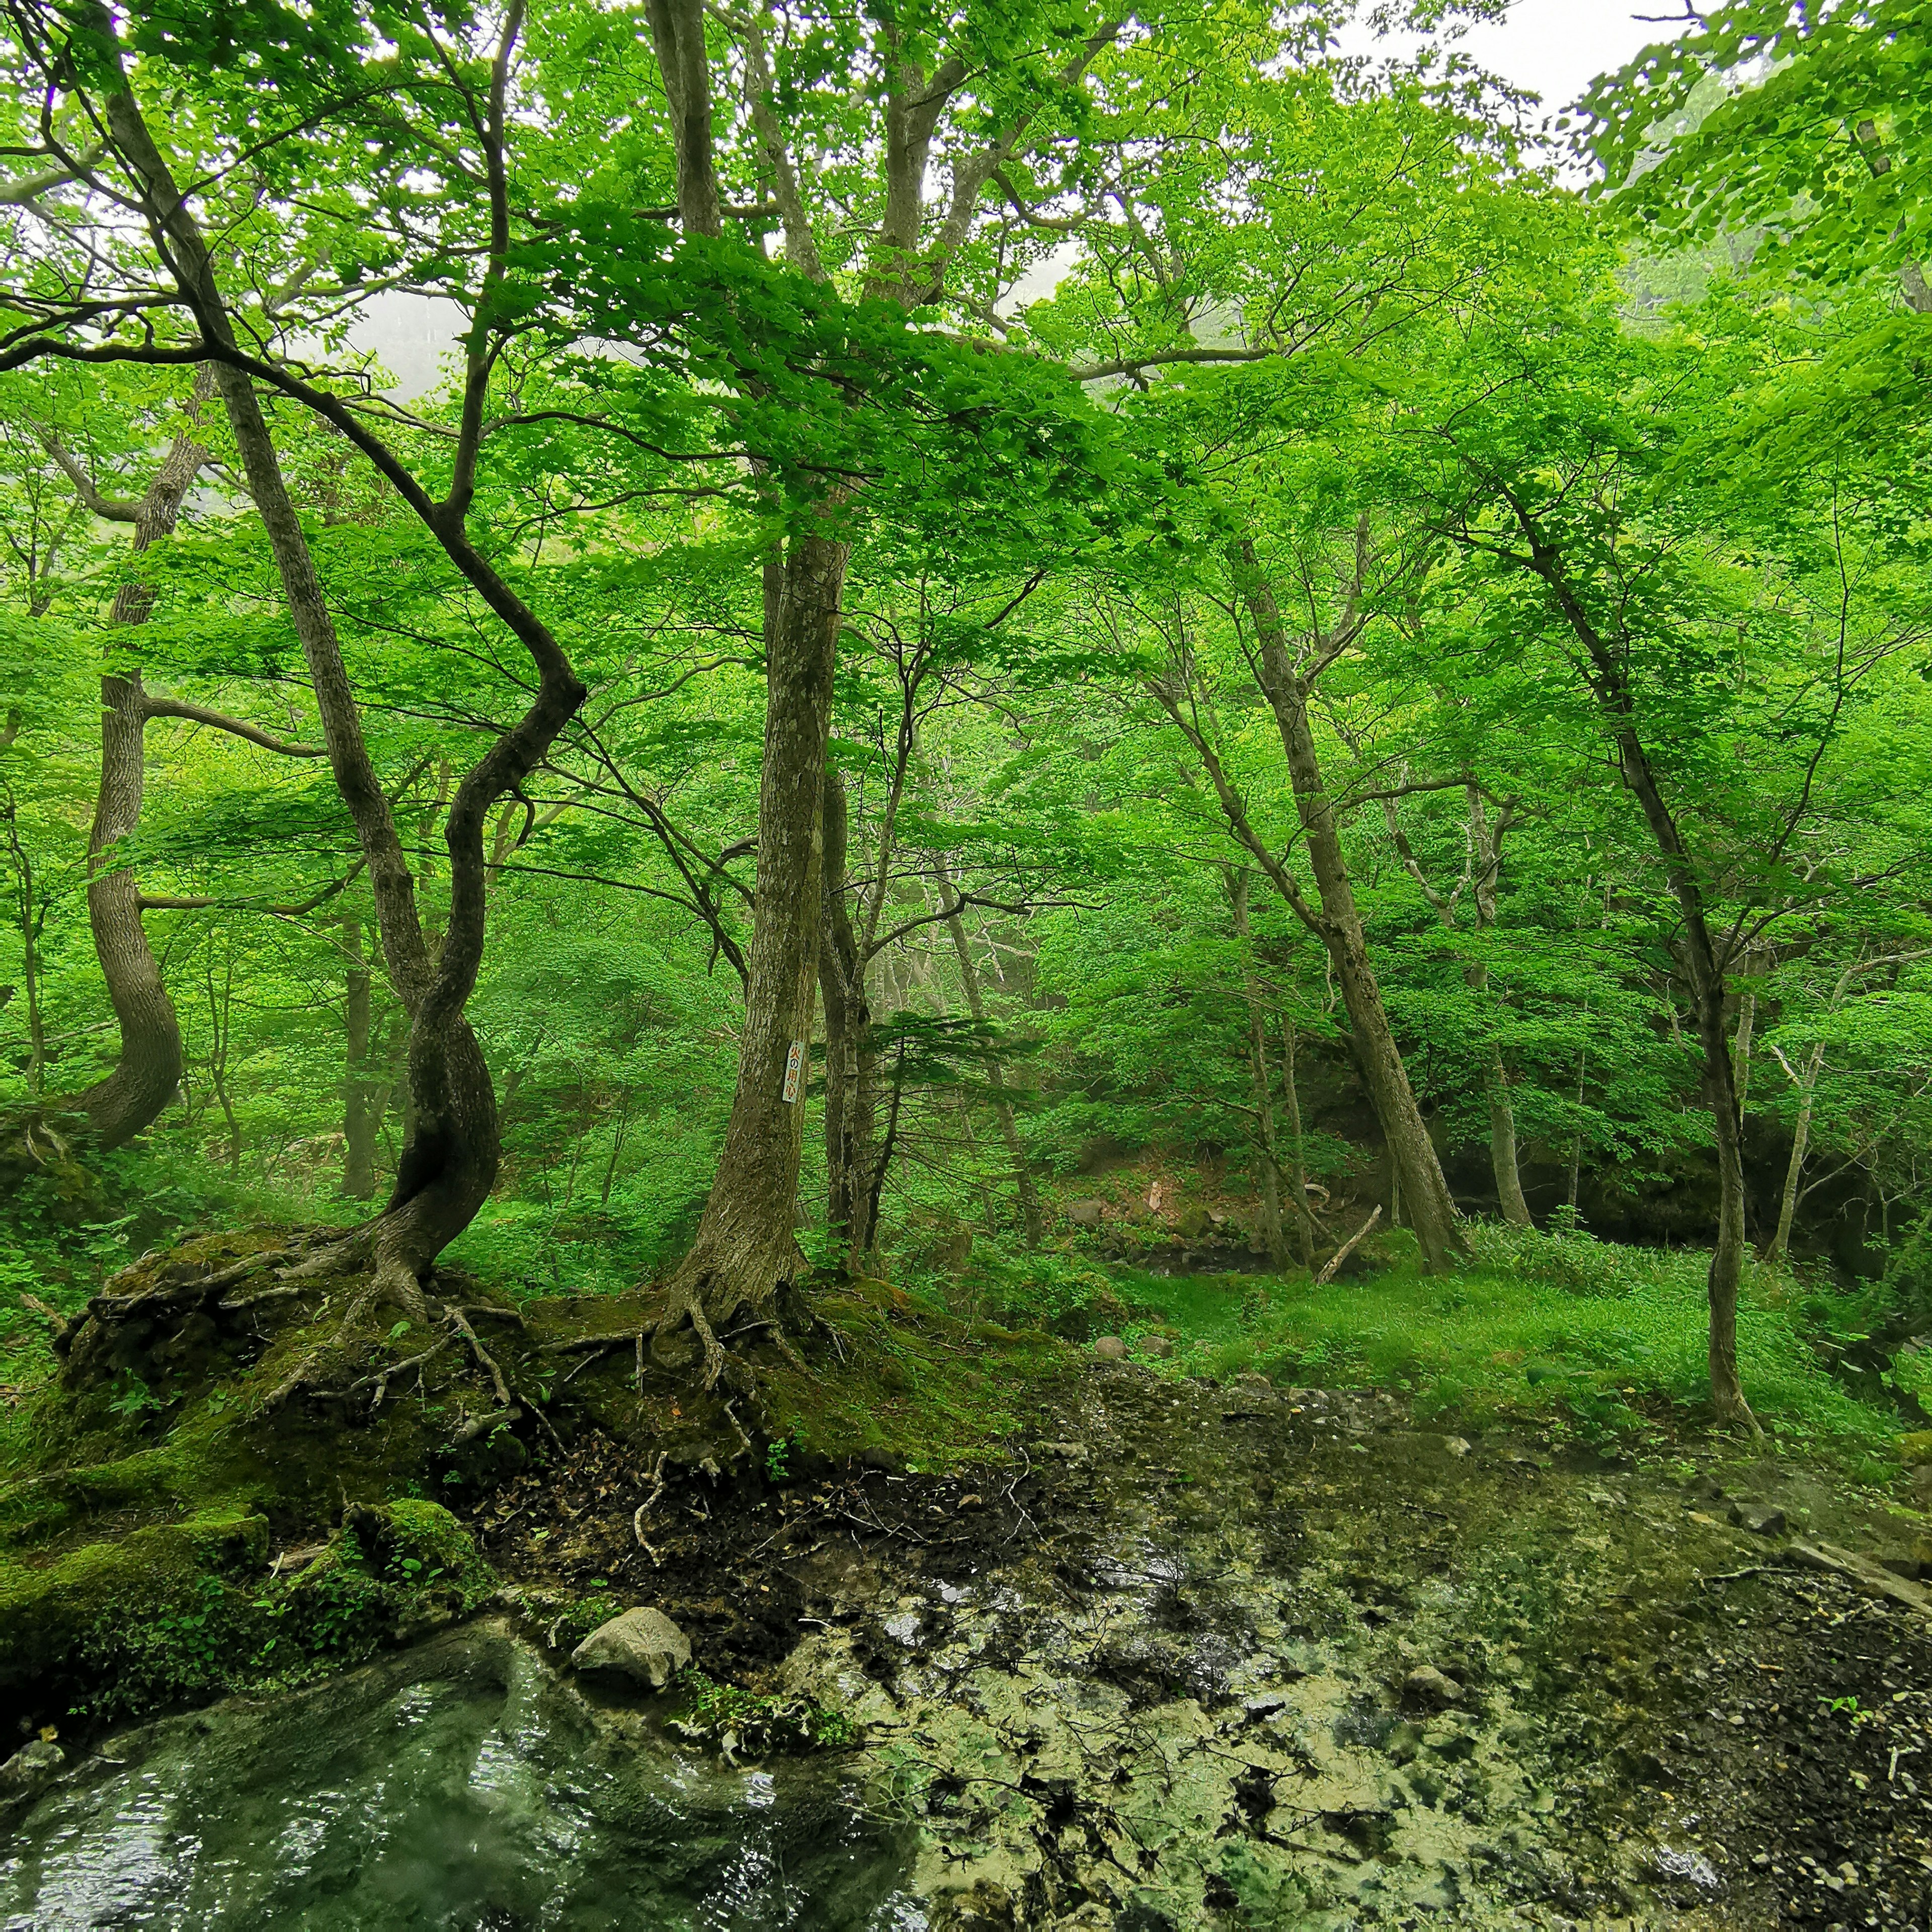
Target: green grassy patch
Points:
(1560, 1326)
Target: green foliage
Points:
(740, 1723)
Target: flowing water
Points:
(462, 1787)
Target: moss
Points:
(189, 1610)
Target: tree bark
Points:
(745, 1249)
(1003, 1106)
(1431, 1212)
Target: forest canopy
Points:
(986, 596)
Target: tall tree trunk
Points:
(359, 1115)
(851, 1109)
(1003, 1106)
(132, 1097)
(1794, 1168)
(1431, 1211)
(746, 1248)
(1260, 1086)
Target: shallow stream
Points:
(461, 1786)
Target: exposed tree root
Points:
(645, 1508)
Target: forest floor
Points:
(1124, 1646)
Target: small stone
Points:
(1760, 1518)
(1427, 1685)
(1456, 1445)
(1111, 1348)
(1086, 1214)
(644, 1645)
(1709, 1522)
(31, 1768)
(1158, 1346)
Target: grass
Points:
(1560, 1326)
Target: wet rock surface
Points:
(1243, 1656)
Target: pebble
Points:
(1111, 1348)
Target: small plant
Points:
(777, 1459)
(741, 1723)
(133, 1399)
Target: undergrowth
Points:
(1562, 1326)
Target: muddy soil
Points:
(1201, 1657)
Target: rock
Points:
(1158, 1346)
(1916, 1448)
(1456, 1445)
(1760, 1518)
(1193, 1223)
(1086, 1214)
(1428, 1685)
(1872, 1578)
(1705, 1489)
(31, 1769)
(644, 1645)
(1111, 1348)
(1917, 1565)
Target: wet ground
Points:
(1186, 1656)
(1199, 1657)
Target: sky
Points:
(1554, 48)
(1558, 47)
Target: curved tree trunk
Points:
(1431, 1212)
(746, 1248)
(450, 1160)
(144, 1078)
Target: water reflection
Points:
(463, 1788)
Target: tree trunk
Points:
(1707, 983)
(1503, 1158)
(1297, 1159)
(1431, 1211)
(1261, 1086)
(449, 1161)
(851, 1109)
(1003, 1106)
(1801, 1137)
(746, 1248)
(132, 1097)
(359, 1115)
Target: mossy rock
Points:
(1916, 1448)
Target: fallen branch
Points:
(644, 1509)
(1347, 1249)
